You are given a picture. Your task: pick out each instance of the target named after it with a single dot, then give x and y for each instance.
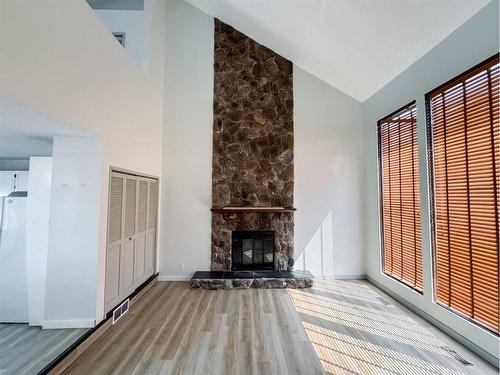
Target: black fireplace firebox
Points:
(252, 250)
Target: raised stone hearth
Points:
(250, 279)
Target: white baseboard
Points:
(60, 324)
(174, 277)
(324, 277)
(361, 276)
(162, 277)
(351, 277)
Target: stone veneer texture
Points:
(252, 143)
(253, 123)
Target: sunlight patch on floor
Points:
(353, 330)
(337, 349)
(348, 289)
(376, 315)
(385, 330)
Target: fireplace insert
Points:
(252, 250)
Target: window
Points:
(400, 196)
(463, 136)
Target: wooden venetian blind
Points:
(400, 196)
(464, 144)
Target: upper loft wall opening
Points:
(129, 21)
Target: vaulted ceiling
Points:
(357, 46)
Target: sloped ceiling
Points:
(357, 46)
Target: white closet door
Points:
(128, 253)
(151, 225)
(131, 248)
(140, 242)
(115, 236)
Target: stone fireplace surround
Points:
(223, 224)
(252, 163)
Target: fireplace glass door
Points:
(252, 250)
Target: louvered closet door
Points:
(140, 237)
(115, 235)
(151, 228)
(129, 226)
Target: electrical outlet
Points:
(182, 266)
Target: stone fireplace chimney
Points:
(252, 169)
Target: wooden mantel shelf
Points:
(252, 209)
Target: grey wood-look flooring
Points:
(342, 327)
(27, 350)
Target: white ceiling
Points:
(25, 132)
(357, 46)
(20, 146)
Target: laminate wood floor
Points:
(342, 327)
(27, 350)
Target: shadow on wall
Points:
(317, 254)
(328, 221)
(328, 158)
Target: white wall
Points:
(328, 160)
(37, 234)
(64, 62)
(187, 149)
(328, 149)
(472, 43)
(71, 283)
(135, 24)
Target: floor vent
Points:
(120, 311)
(457, 356)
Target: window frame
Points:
(413, 288)
(469, 73)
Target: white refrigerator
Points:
(13, 259)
